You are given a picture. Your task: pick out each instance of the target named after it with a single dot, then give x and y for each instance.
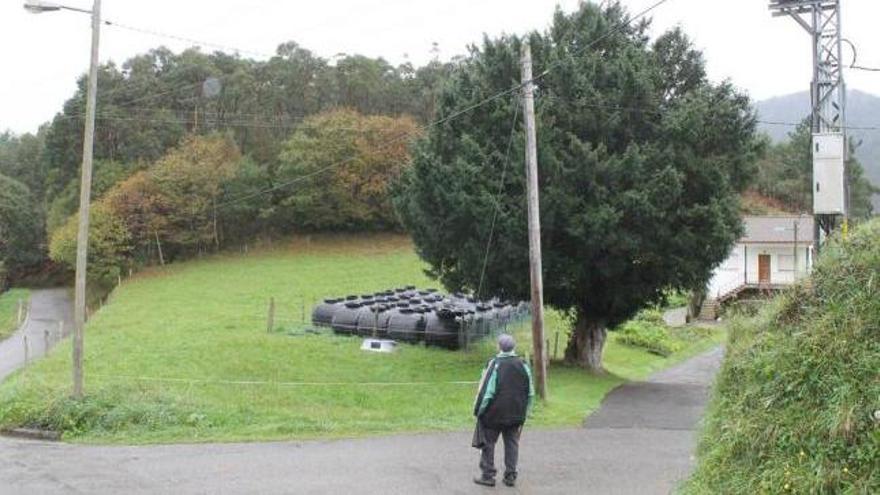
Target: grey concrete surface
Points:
(676, 317)
(48, 308)
(639, 442)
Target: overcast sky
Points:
(44, 54)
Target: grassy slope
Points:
(795, 401)
(9, 310)
(205, 320)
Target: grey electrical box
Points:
(829, 196)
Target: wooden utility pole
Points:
(795, 250)
(538, 347)
(85, 191)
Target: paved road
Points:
(48, 307)
(639, 442)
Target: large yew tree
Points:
(641, 159)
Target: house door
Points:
(763, 268)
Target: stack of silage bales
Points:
(407, 314)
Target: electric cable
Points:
(853, 64)
(497, 200)
(185, 39)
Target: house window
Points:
(786, 262)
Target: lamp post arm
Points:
(75, 9)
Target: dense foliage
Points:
(785, 174)
(795, 407)
(203, 194)
(20, 229)
(348, 162)
(109, 244)
(151, 103)
(648, 331)
(641, 161)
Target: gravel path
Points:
(639, 442)
(48, 307)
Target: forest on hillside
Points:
(218, 127)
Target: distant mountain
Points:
(863, 110)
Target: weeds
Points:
(793, 405)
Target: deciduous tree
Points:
(346, 162)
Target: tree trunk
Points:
(695, 304)
(159, 248)
(216, 236)
(586, 345)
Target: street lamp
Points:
(82, 237)
(38, 7)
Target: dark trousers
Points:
(511, 451)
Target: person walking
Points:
(506, 394)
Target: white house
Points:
(774, 252)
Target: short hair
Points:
(506, 342)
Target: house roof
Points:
(778, 229)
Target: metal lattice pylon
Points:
(821, 20)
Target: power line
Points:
(206, 121)
(497, 200)
(620, 27)
(185, 39)
(853, 64)
(796, 124)
(586, 103)
(454, 115)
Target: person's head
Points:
(506, 343)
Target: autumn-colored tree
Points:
(190, 180)
(144, 209)
(339, 167)
(109, 244)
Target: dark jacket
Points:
(506, 392)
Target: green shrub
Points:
(648, 332)
(109, 410)
(677, 299)
(795, 404)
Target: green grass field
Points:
(182, 353)
(9, 310)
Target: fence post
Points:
(270, 320)
(24, 340)
(20, 311)
(45, 341)
(467, 335)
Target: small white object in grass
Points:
(877, 415)
(379, 345)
